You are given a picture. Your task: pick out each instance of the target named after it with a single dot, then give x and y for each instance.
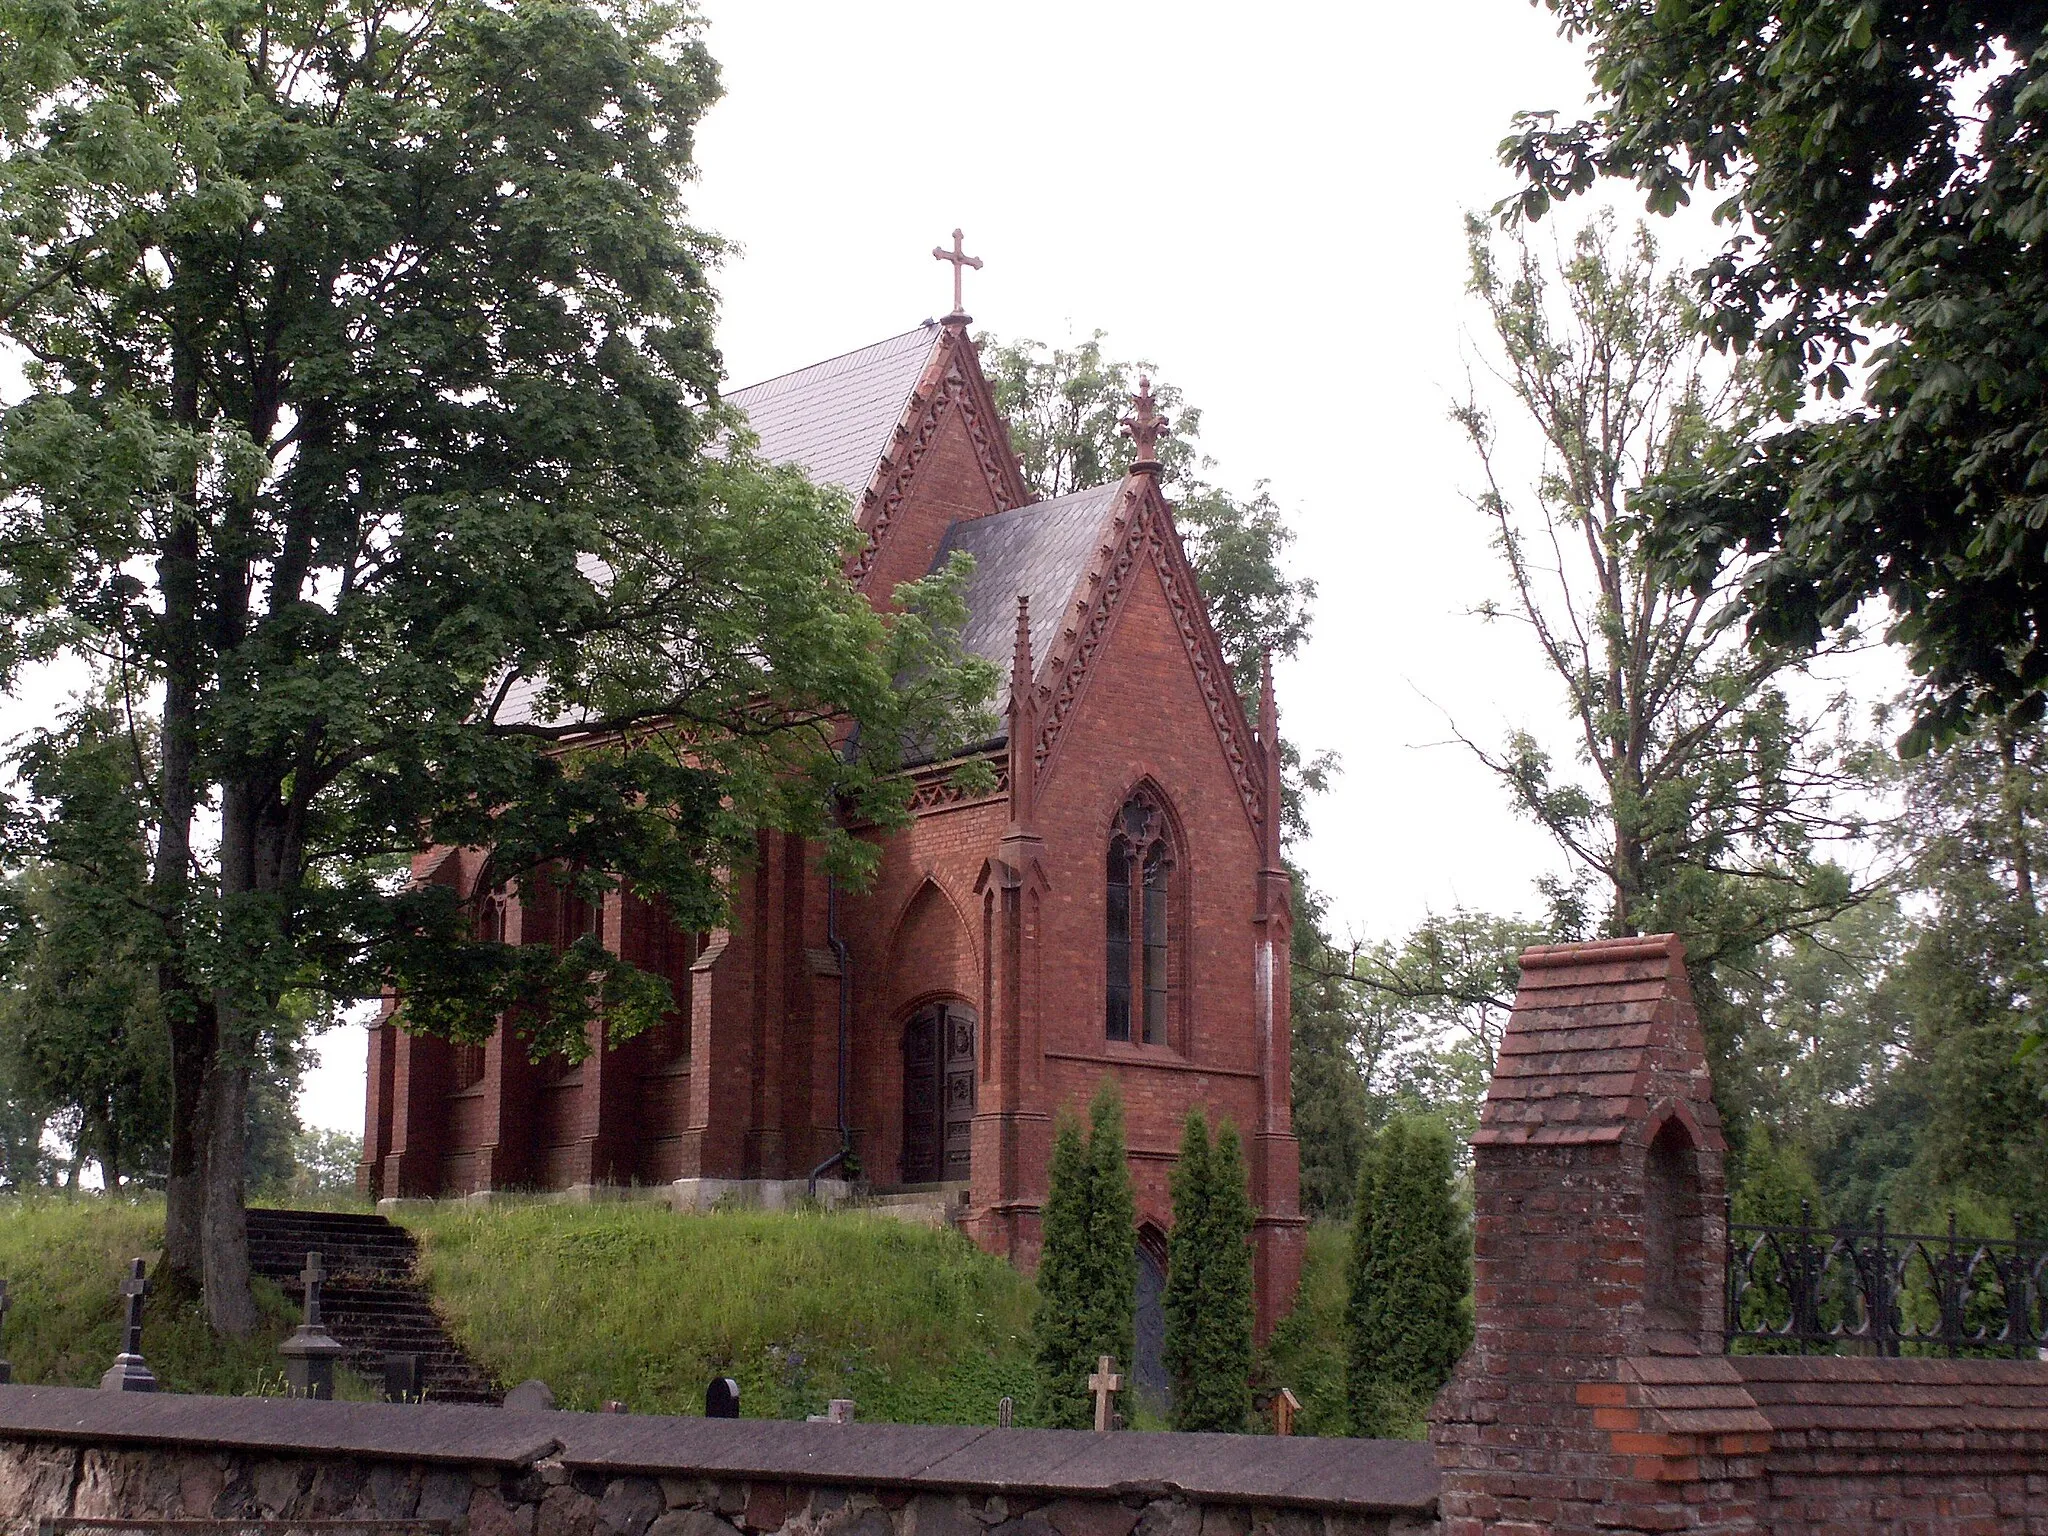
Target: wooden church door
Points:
(938, 1094)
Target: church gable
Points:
(1138, 543)
(949, 460)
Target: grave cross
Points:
(6, 1301)
(1105, 1384)
(129, 1372)
(961, 261)
(135, 1287)
(312, 1275)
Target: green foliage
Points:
(1209, 1293)
(1408, 1316)
(370, 435)
(64, 1258)
(634, 1303)
(1879, 170)
(1333, 1105)
(324, 1162)
(1309, 1347)
(1087, 1266)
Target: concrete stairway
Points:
(372, 1301)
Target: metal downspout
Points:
(841, 954)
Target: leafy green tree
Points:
(1209, 1299)
(1407, 1319)
(324, 1162)
(1703, 801)
(1087, 1266)
(1879, 172)
(370, 433)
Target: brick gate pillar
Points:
(1598, 1268)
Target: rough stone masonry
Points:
(66, 1451)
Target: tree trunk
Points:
(230, 1304)
(2014, 797)
(187, 1010)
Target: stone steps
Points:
(374, 1304)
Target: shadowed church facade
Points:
(1115, 908)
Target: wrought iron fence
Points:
(1852, 1290)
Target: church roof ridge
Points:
(924, 328)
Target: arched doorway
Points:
(1148, 1371)
(938, 1094)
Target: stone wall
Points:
(66, 1451)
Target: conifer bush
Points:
(1407, 1319)
(1208, 1300)
(1087, 1266)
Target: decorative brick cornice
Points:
(952, 381)
(1140, 523)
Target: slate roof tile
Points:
(1039, 551)
(834, 418)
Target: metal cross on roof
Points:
(961, 261)
(1144, 426)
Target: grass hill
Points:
(632, 1302)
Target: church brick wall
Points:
(954, 915)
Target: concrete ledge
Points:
(1339, 1476)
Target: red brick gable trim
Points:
(1141, 522)
(952, 380)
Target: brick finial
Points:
(1144, 427)
(1023, 721)
(1269, 744)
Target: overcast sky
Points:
(1265, 201)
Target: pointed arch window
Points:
(1139, 992)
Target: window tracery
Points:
(1139, 935)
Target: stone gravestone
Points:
(310, 1353)
(1105, 1384)
(838, 1410)
(129, 1372)
(531, 1397)
(722, 1399)
(402, 1382)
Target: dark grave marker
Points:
(130, 1372)
(6, 1301)
(722, 1399)
(402, 1382)
(310, 1353)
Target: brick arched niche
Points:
(1675, 1239)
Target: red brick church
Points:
(1116, 908)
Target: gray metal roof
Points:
(1039, 551)
(833, 419)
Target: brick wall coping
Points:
(1765, 1394)
(1265, 1471)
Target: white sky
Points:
(1267, 202)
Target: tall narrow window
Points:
(1140, 996)
(1118, 1023)
(1155, 946)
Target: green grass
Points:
(64, 1259)
(639, 1304)
(1308, 1346)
